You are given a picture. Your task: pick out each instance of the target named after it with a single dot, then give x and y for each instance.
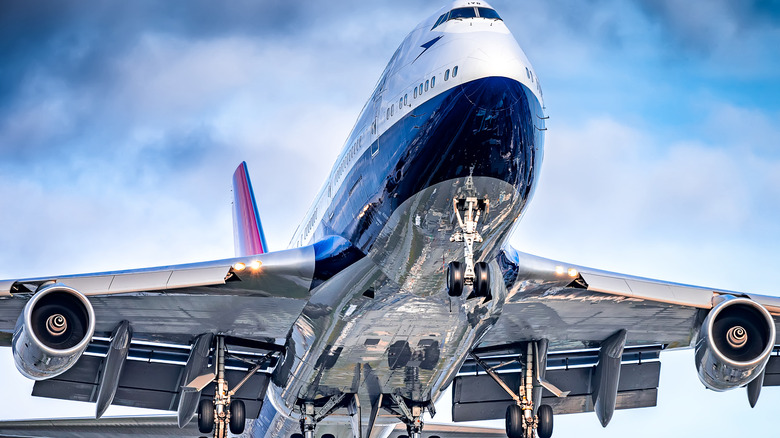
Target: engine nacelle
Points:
(734, 344)
(52, 332)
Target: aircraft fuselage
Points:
(458, 112)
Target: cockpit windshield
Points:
(461, 13)
(488, 13)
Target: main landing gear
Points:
(221, 413)
(523, 420)
(468, 210)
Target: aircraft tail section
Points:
(247, 229)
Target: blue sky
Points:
(121, 124)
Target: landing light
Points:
(559, 270)
(255, 265)
(239, 266)
(573, 272)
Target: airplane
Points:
(326, 338)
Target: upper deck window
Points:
(488, 13)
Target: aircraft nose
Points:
(500, 56)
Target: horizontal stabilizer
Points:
(247, 230)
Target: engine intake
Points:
(52, 332)
(734, 345)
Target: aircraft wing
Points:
(577, 307)
(175, 303)
(251, 301)
(576, 311)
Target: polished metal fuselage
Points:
(386, 324)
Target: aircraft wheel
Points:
(545, 415)
(205, 416)
(237, 417)
(455, 274)
(514, 421)
(481, 280)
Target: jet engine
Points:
(52, 332)
(734, 344)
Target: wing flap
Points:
(148, 427)
(479, 397)
(152, 377)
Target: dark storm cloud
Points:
(75, 42)
(70, 68)
(113, 107)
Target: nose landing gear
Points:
(468, 210)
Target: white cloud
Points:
(641, 202)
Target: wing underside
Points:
(576, 311)
(250, 303)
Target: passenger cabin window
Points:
(415, 92)
(454, 71)
(406, 100)
(433, 81)
(426, 85)
(421, 85)
(488, 13)
(447, 74)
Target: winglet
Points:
(247, 229)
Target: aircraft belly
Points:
(411, 337)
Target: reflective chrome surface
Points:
(53, 331)
(411, 337)
(725, 361)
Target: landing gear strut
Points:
(310, 418)
(221, 413)
(412, 416)
(468, 210)
(523, 419)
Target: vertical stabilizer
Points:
(247, 229)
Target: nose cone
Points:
(499, 55)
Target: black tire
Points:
(455, 273)
(237, 417)
(545, 427)
(514, 421)
(481, 280)
(328, 435)
(205, 416)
